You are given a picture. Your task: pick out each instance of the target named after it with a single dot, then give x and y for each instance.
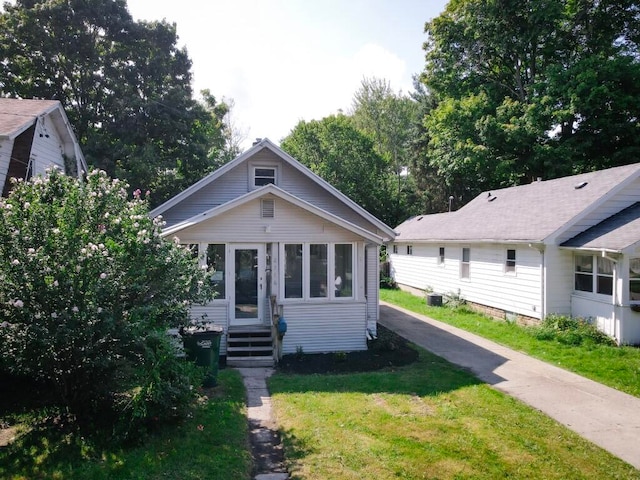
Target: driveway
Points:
(603, 415)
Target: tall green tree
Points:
(533, 88)
(345, 157)
(125, 85)
(387, 118)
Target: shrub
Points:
(87, 290)
(570, 331)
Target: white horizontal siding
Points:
(487, 283)
(559, 280)
(244, 224)
(47, 149)
(5, 155)
(325, 327)
(373, 286)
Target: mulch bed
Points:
(388, 350)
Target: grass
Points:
(212, 444)
(428, 420)
(617, 367)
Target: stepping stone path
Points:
(266, 446)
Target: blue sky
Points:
(282, 61)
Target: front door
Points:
(248, 291)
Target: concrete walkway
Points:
(266, 446)
(603, 415)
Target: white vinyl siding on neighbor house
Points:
(487, 284)
(5, 156)
(46, 151)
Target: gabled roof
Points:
(526, 213)
(16, 115)
(615, 234)
(267, 144)
(271, 189)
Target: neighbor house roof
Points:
(16, 115)
(266, 143)
(616, 233)
(526, 213)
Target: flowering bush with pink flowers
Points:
(87, 289)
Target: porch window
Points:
(594, 274)
(604, 280)
(293, 270)
(318, 270)
(216, 262)
(510, 264)
(584, 273)
(634, 280)
(466, 262)
(343, 269)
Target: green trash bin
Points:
(202, 345)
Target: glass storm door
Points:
(248, 290)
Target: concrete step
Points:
(250, 362)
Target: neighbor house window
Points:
(409, 249)
(318, 270)
(586, 281)
(395, 248)
(510, 264)
(584, 273)
(216, 260)
(441, 256)
(263, 176)
(293, 270)
(465, 264)
(343, 270)
(604, 279)
(634, 280)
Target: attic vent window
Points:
(580, 185)
(264, 176)
(267, 208)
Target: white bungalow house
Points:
(36, 135)
(568, 246)
(283, 244)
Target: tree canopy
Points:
(534, 88)
(125, 85)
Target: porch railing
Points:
(275, 312)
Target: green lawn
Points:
(617, 367)
(428, 420)
(212, 444)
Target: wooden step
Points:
(250, 362)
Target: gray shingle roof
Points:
(18, 114)
(616, 233)
(524, 213)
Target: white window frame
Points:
(465, 273)
(441, 256)
(395, 248)
(257, 166)
(595, 275)
(510, 264)
(409, 249)
(306, 274)
(202, 262)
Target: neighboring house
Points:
(568, 246)
(283, 243)
(36, 135)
